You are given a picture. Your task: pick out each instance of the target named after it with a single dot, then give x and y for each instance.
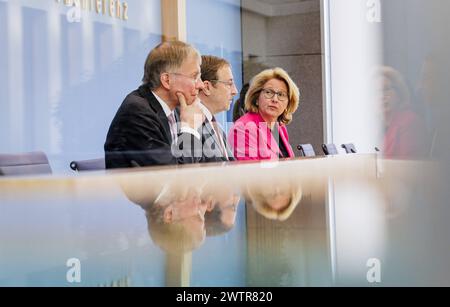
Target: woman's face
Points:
(271, 108)
(277, 197)
(388, 96)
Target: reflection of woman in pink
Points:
(404, 136)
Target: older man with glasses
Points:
(146, 130)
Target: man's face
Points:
(229, 209)
(222, 92)
(186, 79)
(189, 211)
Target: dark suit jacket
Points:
(211, 147)
(139, 135)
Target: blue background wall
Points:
(214, 27)
(61, 83)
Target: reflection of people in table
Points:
(176, 220)
(274, 199)
(222, 216)
(174, 210)
(180, 214)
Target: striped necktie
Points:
(218, 133)
(173, 127)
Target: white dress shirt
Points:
(167, 111)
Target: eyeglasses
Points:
(228, 84)
(269, 94)
(193, 79)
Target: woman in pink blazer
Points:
(404, 130)
(261, 134)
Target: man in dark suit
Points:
(216, 96)
(146, 130)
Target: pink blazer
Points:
(405, 136)
(251, 139)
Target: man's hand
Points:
(190, 115)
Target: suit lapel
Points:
(285, 142)
(265, 134)
(209, 131)
(227, 146)
(156, 107)
(271, 142)
(225, 143)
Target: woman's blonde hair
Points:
(257, 84)
(260, 204)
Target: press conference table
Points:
(352, 209)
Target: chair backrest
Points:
(88, 165)
(329, 149)
(306, 150)
(30, 163)
(349, 148)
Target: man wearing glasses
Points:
(146, 130)
(216, 96)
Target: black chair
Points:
(329, 149)
(88, 165)
(349, 148)
(306, 150)
(30, 163)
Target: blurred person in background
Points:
(404, 131)
(239, 108)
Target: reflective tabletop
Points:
(328, 221)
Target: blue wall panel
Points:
(62, 81)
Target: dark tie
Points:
(218, 133)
